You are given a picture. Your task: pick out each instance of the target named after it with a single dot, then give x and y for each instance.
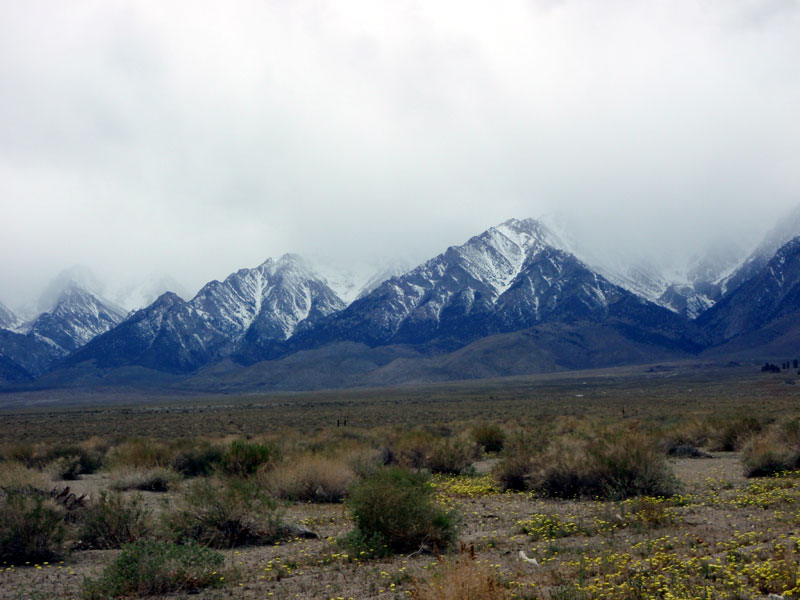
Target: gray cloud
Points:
(199, 138)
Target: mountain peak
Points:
(168, 299)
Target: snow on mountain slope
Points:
(266, 303)
(773, 293)
(786, 229)
(79, 275)
(512, 276)
(393, 268)
(8, 320)
(77, 317)
(272, 298)
(685, 286)
(356, 278)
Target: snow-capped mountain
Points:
(512, 276)
(517, 292)
(269, 301)
(78, 275)
(8, 320)
(266, 304)
(77, 317)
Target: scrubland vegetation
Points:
(653, 503)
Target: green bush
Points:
(394, 508)
(149, 567)
(224, 514)
(490, 437)
(31, 527)
(113, 521)
(243, 459)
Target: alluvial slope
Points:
(171, 334)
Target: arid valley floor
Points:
(717, 534)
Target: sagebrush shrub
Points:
(614, 466)
(67, 468)
(513, 472)
(243, 459)
(197, 460)
(226, 513)
(114, 520)
(149, 567)
(31, 527)
(395, 508)
(450, 456)
(70, 461)
(733, 434)
(490, 437)
(413, 448)
(774, 451)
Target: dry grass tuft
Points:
(311, 478)
(15, 477)
(155, 479)
(461, 578)
(139, 452)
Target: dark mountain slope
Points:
(772, 294)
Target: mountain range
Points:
(515, 299)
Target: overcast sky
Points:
(195, 138)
